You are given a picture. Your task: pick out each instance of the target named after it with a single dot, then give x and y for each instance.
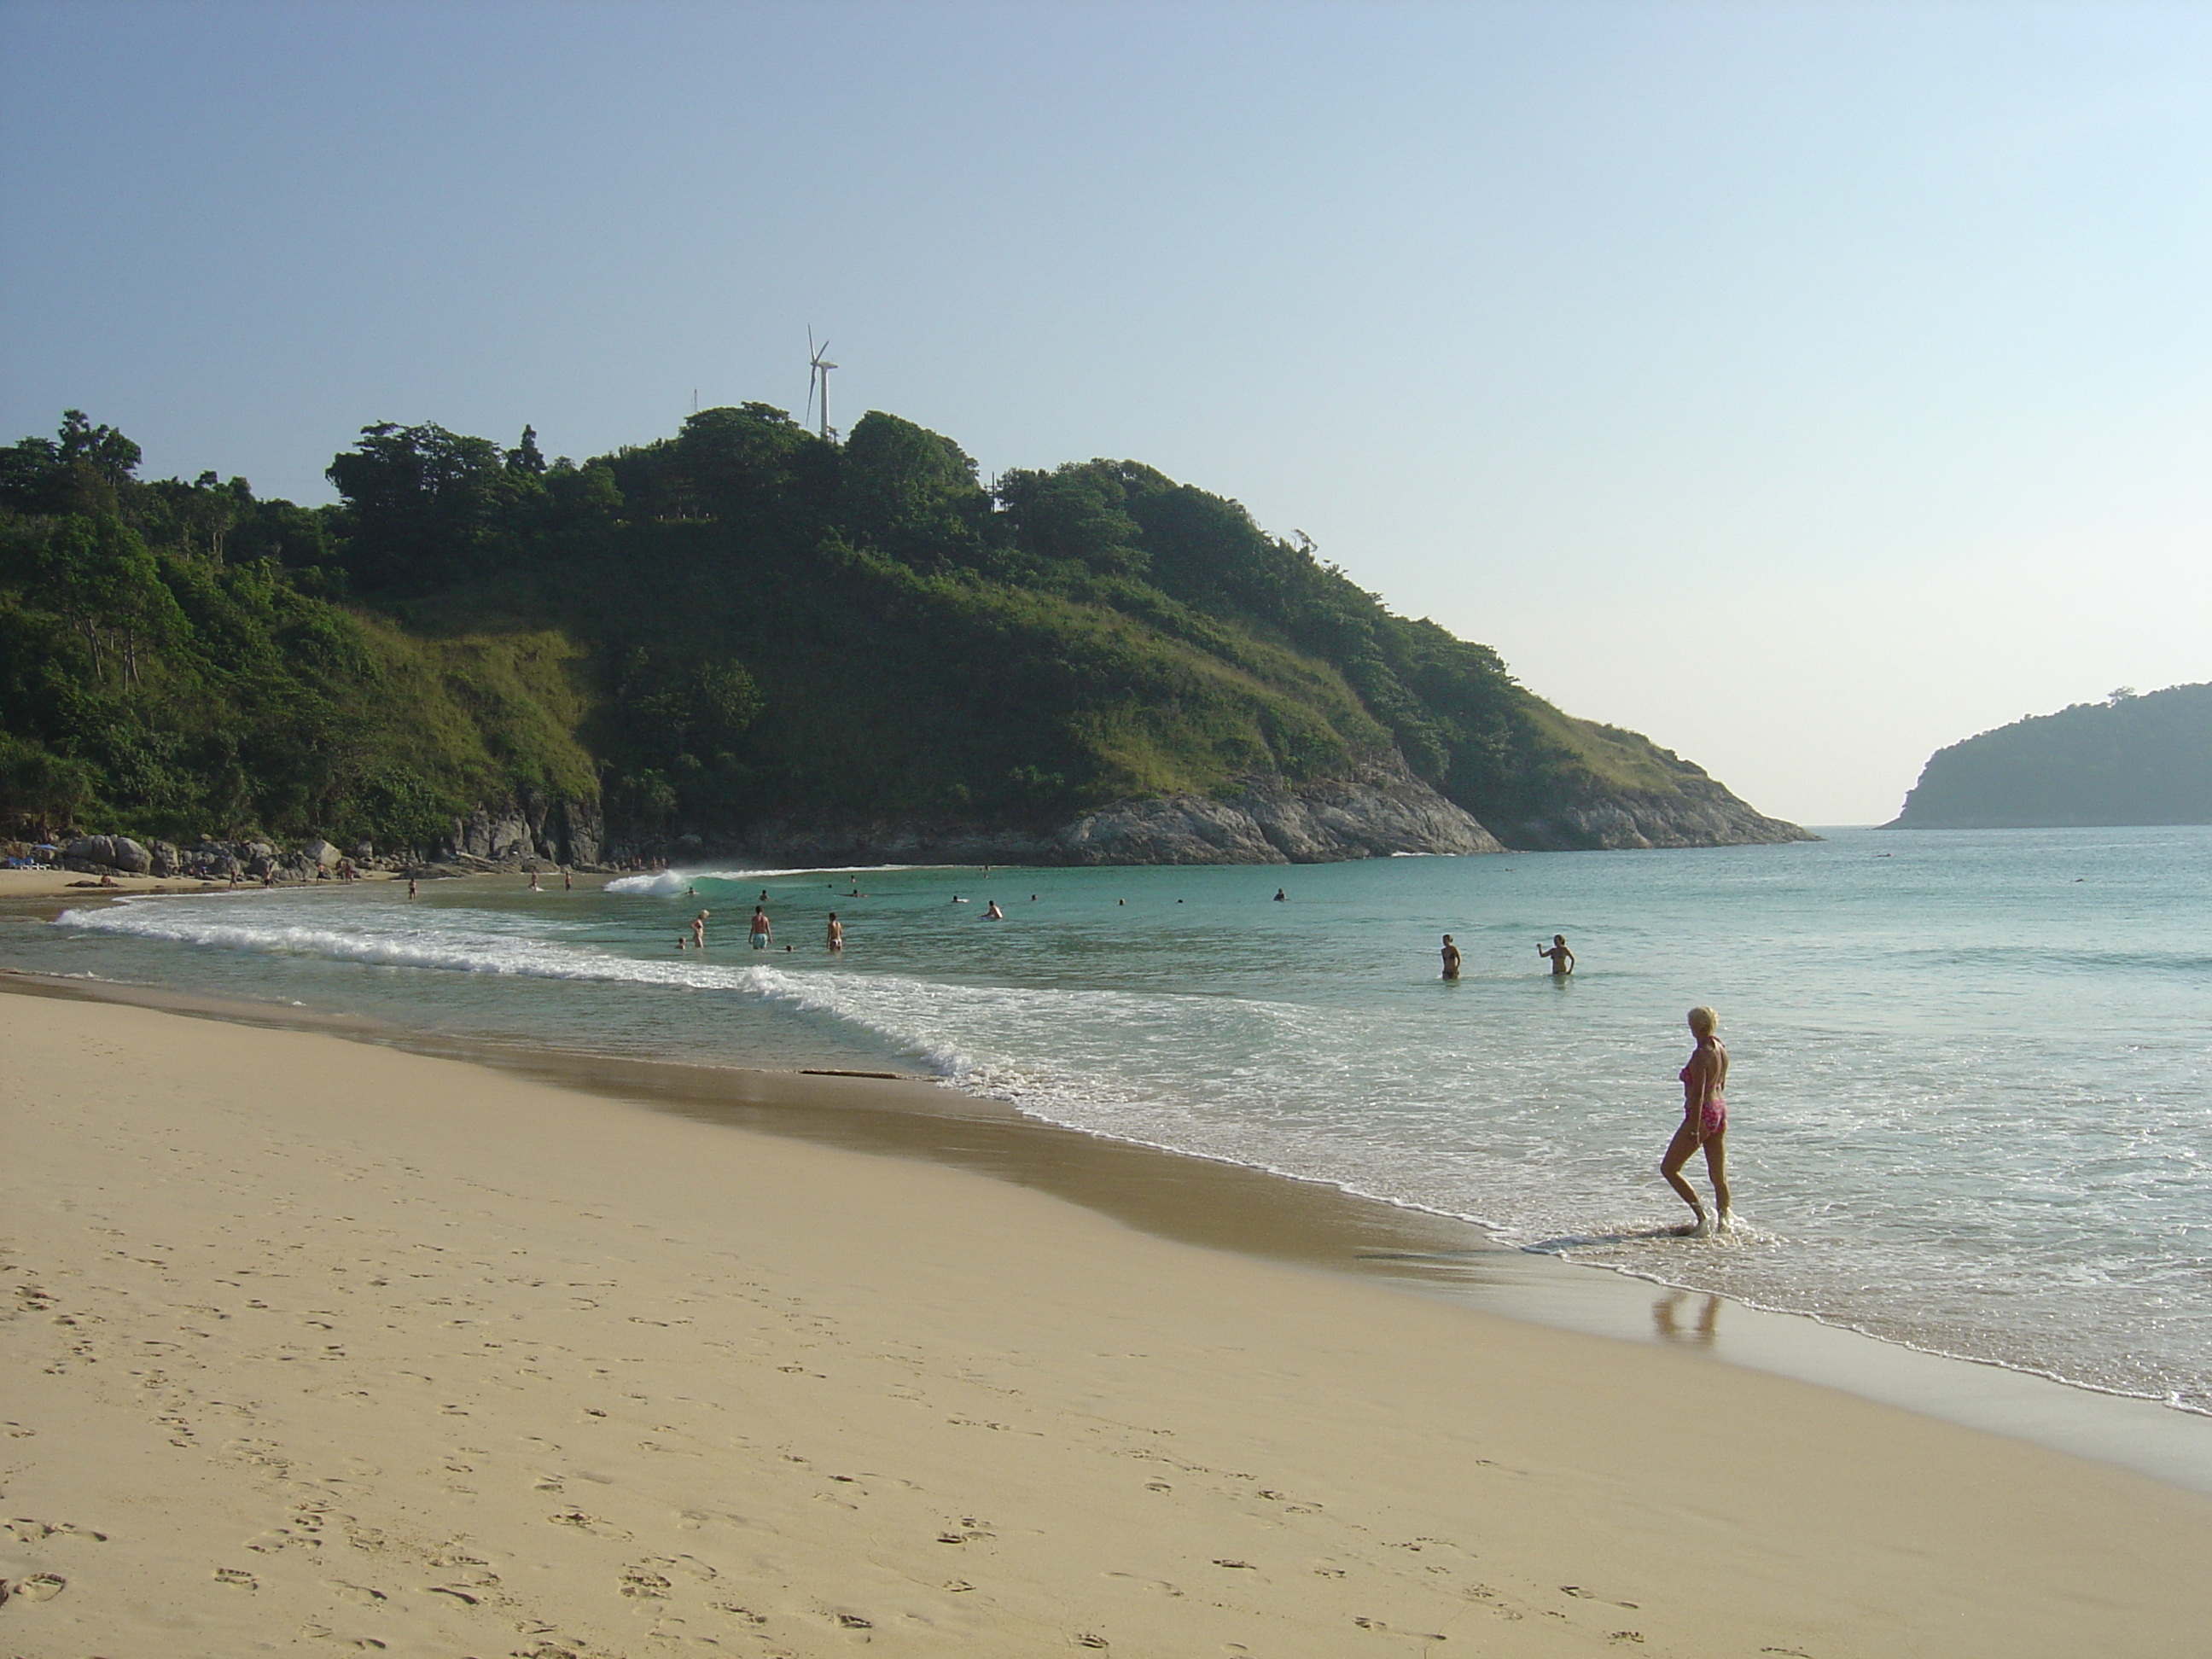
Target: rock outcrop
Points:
(1698, 813)
(1382, 810)
(565, 831)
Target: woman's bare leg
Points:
(1678, 1153)
(1716, 1168)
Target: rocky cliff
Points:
(1381, 810)
(1697, 813)
(565, 831)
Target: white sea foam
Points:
(661, 883)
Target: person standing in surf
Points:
(1562, 959)
(835, 936)
(1704, 1123)
(1451, 958)
(761, 932)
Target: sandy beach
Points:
(317, 1345)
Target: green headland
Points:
(2129, 759)
(747, 636)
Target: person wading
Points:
(1704, 1123)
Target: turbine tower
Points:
(818, 358)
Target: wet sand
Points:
(316, 1342)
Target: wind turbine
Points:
(818, 375)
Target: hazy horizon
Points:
(1808, 387)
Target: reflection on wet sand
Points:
(1667, 1318)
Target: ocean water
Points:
(1970, 1102)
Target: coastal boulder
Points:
(319, 852)
(95, 853)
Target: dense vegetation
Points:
(741, 621)
(2127, 760)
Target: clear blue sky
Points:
(1808, 386)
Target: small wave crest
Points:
(873, 1004)
(663, 883)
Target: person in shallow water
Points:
(760, 931)
(836, 934)
(699, 931)
(1562, 959)
(1704, 1123)
(1451, 958)
(994, 913)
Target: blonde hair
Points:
(1702, 1020)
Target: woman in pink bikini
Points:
(1705, 1122)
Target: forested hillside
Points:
(2127, 760)
(739, 625)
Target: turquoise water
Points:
(1970, 1105)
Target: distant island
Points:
(2129, 759)
(754, 638)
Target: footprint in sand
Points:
(1158, 1586)
(38, 1586)
(590, 1523)
(27, 1531)
(236, 1575)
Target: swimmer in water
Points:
(699, 932)
(1279, 899)
(836, 936)
(1451, 958)
(1704, 1123)
(410, 885)
(1562, 959)
(534, 887)
(994, 913)
(957, 899)
(761, 932)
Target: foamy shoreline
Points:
(349, 1344)
(1244, 1202)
